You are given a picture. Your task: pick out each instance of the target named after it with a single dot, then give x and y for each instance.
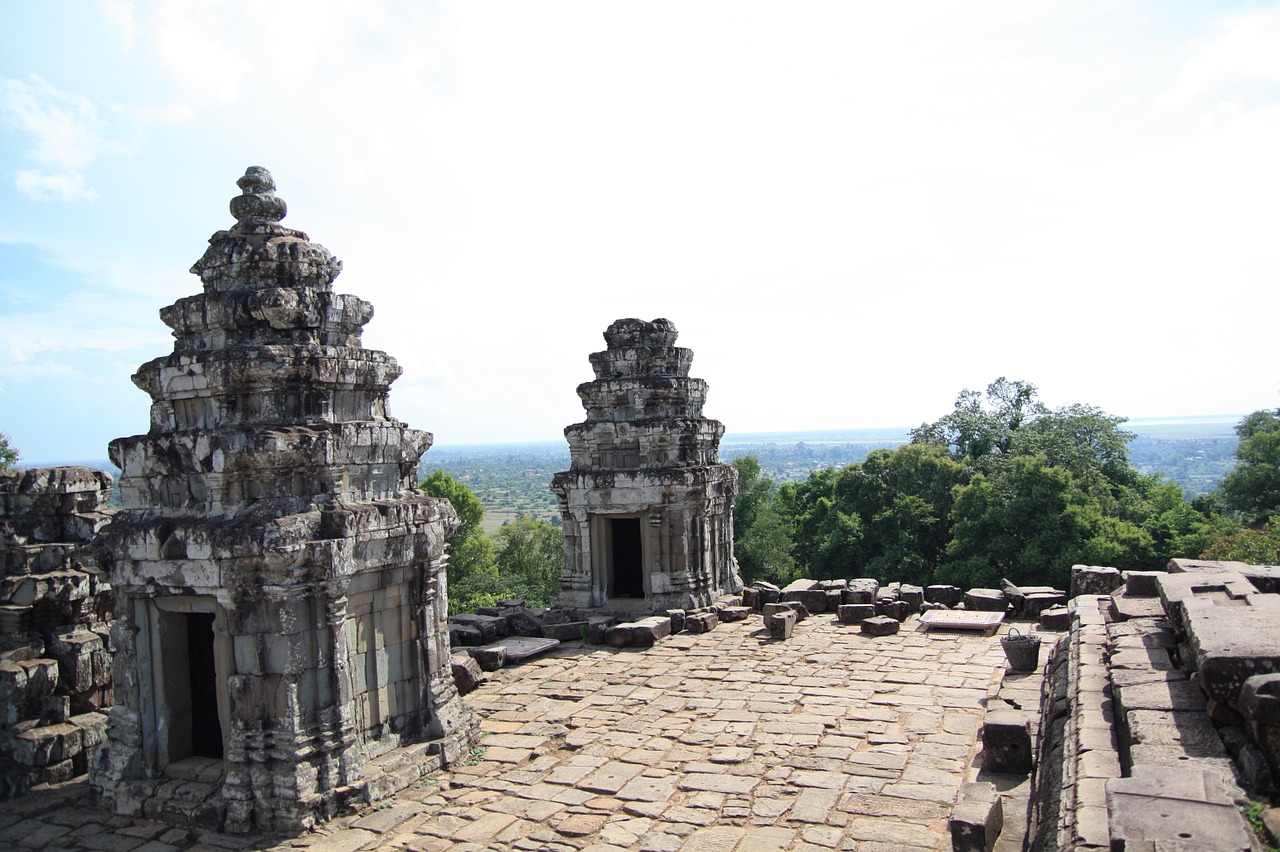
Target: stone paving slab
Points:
(721, 741)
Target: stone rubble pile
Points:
(55, 618)
(877, 610)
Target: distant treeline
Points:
(513, 479)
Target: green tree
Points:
(1252, 488)
(1009, 422)
(468, 506)
(980, 427)
(1259, 546)
(1179, 529)
(530, 559)
(473, 572)
(1030, 535)
(8, 454)
(762, 537)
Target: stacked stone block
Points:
(55, 604)
(280, 582)
(647, 505)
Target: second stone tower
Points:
(647, 506)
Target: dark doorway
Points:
(628, 562)
(206, 728)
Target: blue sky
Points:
(850, 211)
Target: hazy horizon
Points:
(869, 434)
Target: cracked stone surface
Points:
(828, 749)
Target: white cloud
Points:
(64, 137)
(119, 14)
(59, 186)
(1244, 50)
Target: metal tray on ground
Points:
(960, 619)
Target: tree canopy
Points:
(8, 454)
(522, 560)
(1001, 487)
(1252, 489)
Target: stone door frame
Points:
(166, 694)
(600, 528)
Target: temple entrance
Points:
(206, 728)
(185, 647)
(627, 575)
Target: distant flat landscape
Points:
(513, 479)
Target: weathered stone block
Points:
(467, 674)
(977, 819)
(521, 622)
(880, 625)
(860, 591)
(782, 624)
(1006, 742)
(567, 631)
(912, 595)
(813, 600)
(490, 658)
(943, 594)
(751, 598)
(461, 635)
(986, 600)
(702, 622)
(1145, 584)
(48, 745)
(1056, 618)
(1260, 699)
(678, 618)
(491, 627)
(598, 629)
(1179, 807)
(895, 609)
(640, 634)
(733, 613)
(798, 609)
(1094, 580)
(855, 613)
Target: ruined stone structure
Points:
(280, 603)
(647, 506)
(55, 606)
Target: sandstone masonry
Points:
(55, 608)
(280, 638)
(647, 506)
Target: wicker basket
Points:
(1023, 651)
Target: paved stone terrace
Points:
(718, 741)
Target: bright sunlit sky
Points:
(851, 211)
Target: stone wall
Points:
(647, 507)
(55, 605)
(279, 578)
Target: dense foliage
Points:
(521, 561)
(1251, 492)
(1001, 487)
(8, 454)
(1253, 488)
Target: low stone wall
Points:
(1132, 748)
(55, 605)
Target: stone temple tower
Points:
(647, 507)
(280, 637)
